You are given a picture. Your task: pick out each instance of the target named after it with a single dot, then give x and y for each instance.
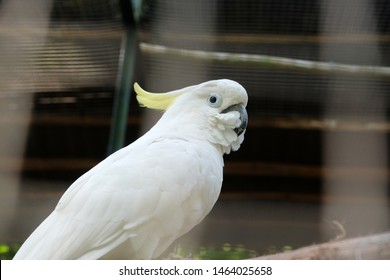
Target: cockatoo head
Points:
(213, 110)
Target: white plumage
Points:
(137, 201)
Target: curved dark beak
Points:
(243, 117)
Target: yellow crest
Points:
(160, 101)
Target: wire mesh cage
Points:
(316, 72)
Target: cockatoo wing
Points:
(136, 196)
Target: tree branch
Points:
(373, 247)
(267, 61)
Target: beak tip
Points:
(244, 121)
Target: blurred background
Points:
(314, 164)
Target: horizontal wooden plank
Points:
(302, 123)
(115, 31)
(83, 31)
(42, 164)
(243, 168)
(64, 120)
(235, 168)
(322, 124)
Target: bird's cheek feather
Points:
(230, 119)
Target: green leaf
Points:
(4, 249)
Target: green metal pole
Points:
(122, 93)
(124, 80)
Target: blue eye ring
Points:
(214, 100)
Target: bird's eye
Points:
(214, 100)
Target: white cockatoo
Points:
(137, 201)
